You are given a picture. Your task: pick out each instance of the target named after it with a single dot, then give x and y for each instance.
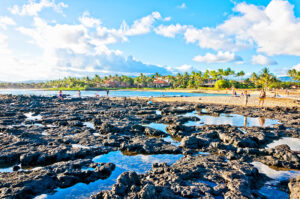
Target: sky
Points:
(52, 39)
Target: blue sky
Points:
(50, 39)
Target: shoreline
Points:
(229, 100)
(283, 101)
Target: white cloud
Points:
(182, 6)
(76, 50)
(220, 57)
(33, 8)
(169, 31)
(3, 44)
(109, 36)
(6, 21)
(262, 60)
(211, 38)
(17, 68)
(141, 26)
(184, 68)
(88, 21)
(253, 27)
(297, 67)
(167, 19)
(59, 36)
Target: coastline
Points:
(236, 101)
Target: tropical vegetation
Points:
(219, 79)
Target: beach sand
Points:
(229, 100)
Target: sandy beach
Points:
(229, 100)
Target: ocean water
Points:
(119, 93)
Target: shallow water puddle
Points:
(10, 169)
(162, 127)
(138, 163)
(89, 124)
(278, 175)
(232, 119)
(6, 169)
(79, 146)
(270, 189)
(45, 134)
(209, 183)
(293, 143)
(29, 116)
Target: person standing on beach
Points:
(60, 95)
(262, 97)
(233, 92)
(79, 94)
(246, 97)
(107, 92)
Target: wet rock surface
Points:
(294, 187)
(26, 184)
(52, 136)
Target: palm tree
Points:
(214, 74)
(221, 73)
(294, 74)
(240, 74)
(266, 77)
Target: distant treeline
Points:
(210, 78)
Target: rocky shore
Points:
(47, 143)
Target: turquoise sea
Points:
(119, 93)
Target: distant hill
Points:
(31, 81)
(285, 79)
(25, 82)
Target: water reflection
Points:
(158, 112)
(232, 119)
(89, 124)
(6, 169)
(30, 116)
(138, 163)
(162, 127)
(271, 188)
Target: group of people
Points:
(60, 94)
(245, 95)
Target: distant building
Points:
(111, 84)
(209, 83)
(159, 82)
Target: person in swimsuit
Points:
(262, 97)
(60, 95)
(246, 97)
